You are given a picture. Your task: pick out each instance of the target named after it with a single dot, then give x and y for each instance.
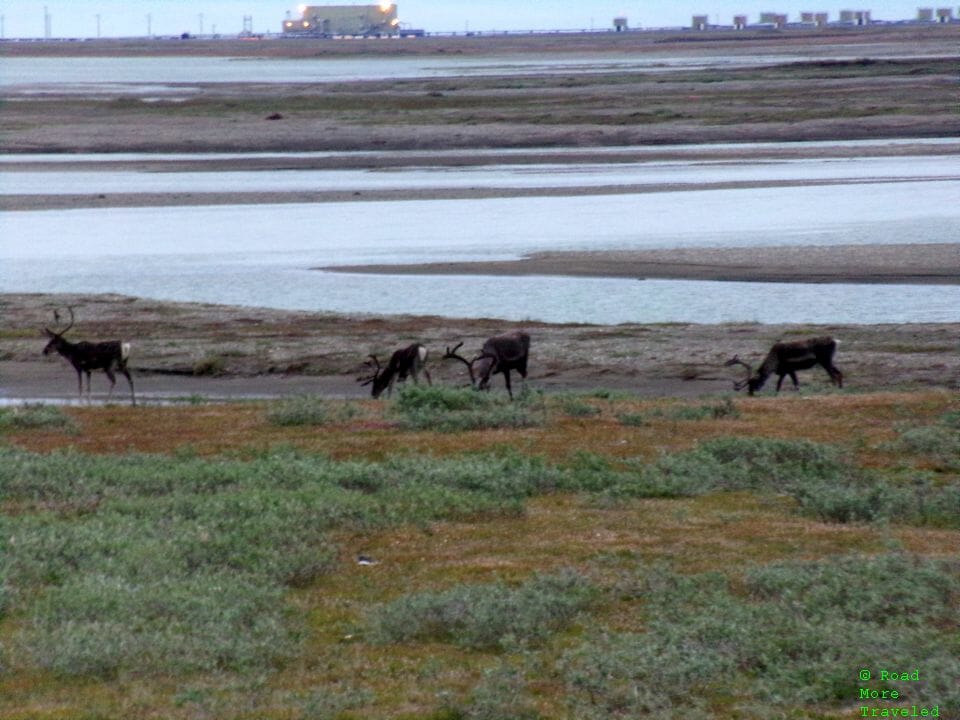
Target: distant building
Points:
(944, 15)
(699, 22)
(739, 21)
(855, 17)
(328, 20)
(925, 14)
(620, 24)
(814, 18)
(773, 18)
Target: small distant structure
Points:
(620, 24)
(334, 20)
(740, 22)
(855, 17)
(944, 15)
(699, 22)
(925, 15)
(817, 19)
(774, 19)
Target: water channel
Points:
(267, 254)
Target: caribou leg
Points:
(126, 374)
(113, 381)
(506, 377)
(836, 377)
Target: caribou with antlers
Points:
(500, 354)
(785, 358)
(408, 361)
(87, 356)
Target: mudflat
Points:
(921, 263)
(885, 83)
(181, 350)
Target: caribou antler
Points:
(452, 355)
(56, 319)
(376, 371)
(735, 360)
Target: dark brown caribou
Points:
(499, 354)
(409, 361)
(89, 356)
(786, 358)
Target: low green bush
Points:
(710, 411)
(789, 634)
(305, 410)
(35, 415)
(734, 464)
(445, 409)
(98, 537)
(502, 694)
(575, 406)
(99, 625)
(486, 617)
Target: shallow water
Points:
(151, 75)
(517, 176)
(263, 254)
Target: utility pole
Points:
(47, 24)
(201, 23)
(149, 25)
(98, 25)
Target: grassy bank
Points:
(602, 556)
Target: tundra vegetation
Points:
(719, 558)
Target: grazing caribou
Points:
(86, 357)
(500, 354)
(410, 360)
(785, 358)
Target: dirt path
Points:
(182, 350)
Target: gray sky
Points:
(78, 18)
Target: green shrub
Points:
(848, 502)
(100, 625)
(501, 695)
(951, 419)
(792, 633)
(734, 464)
(306, 410)
(938, 443)
(713, 411)
(444, 409)
(634, 419)
(575, 407)
(98, 537)
(486, 617)
(330, 703)
(35, 415)
(871, 498)
(590, 472)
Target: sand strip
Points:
(897, 264)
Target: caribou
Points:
(786, 358)
(499, 354)
(87, 356)
(409, 361)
